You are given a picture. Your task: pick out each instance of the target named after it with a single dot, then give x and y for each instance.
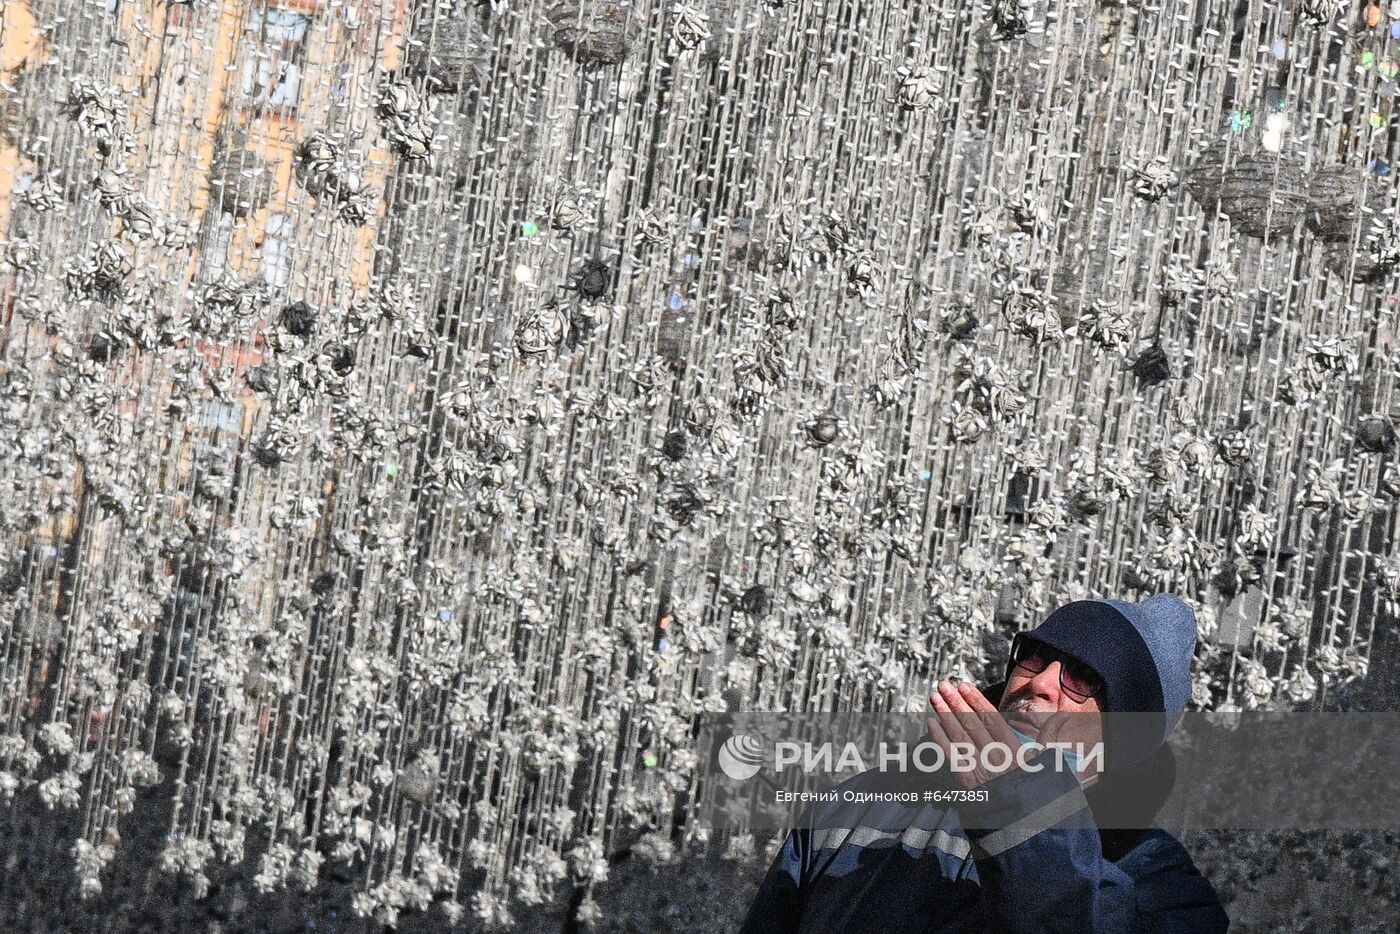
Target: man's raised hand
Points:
(965, 716)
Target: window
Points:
(178, 15)
(217, 246)
(340, 89)
(285, 26)
(273, 83)
(270, 79)
(221, 416)
(277, 250)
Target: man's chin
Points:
(1026, 722)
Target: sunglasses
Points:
(1076, 679)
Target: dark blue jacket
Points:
(895, 868)
(912, 868)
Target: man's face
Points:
(1029, 691)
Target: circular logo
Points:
(741, 757)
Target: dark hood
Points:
(1143, 653)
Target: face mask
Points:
(1071, 760)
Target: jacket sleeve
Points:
(1172, 892)
(777, 908)
(1040, 863)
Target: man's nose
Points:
(1047, 683)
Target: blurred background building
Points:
(414, 416)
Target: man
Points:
(1031, 857)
